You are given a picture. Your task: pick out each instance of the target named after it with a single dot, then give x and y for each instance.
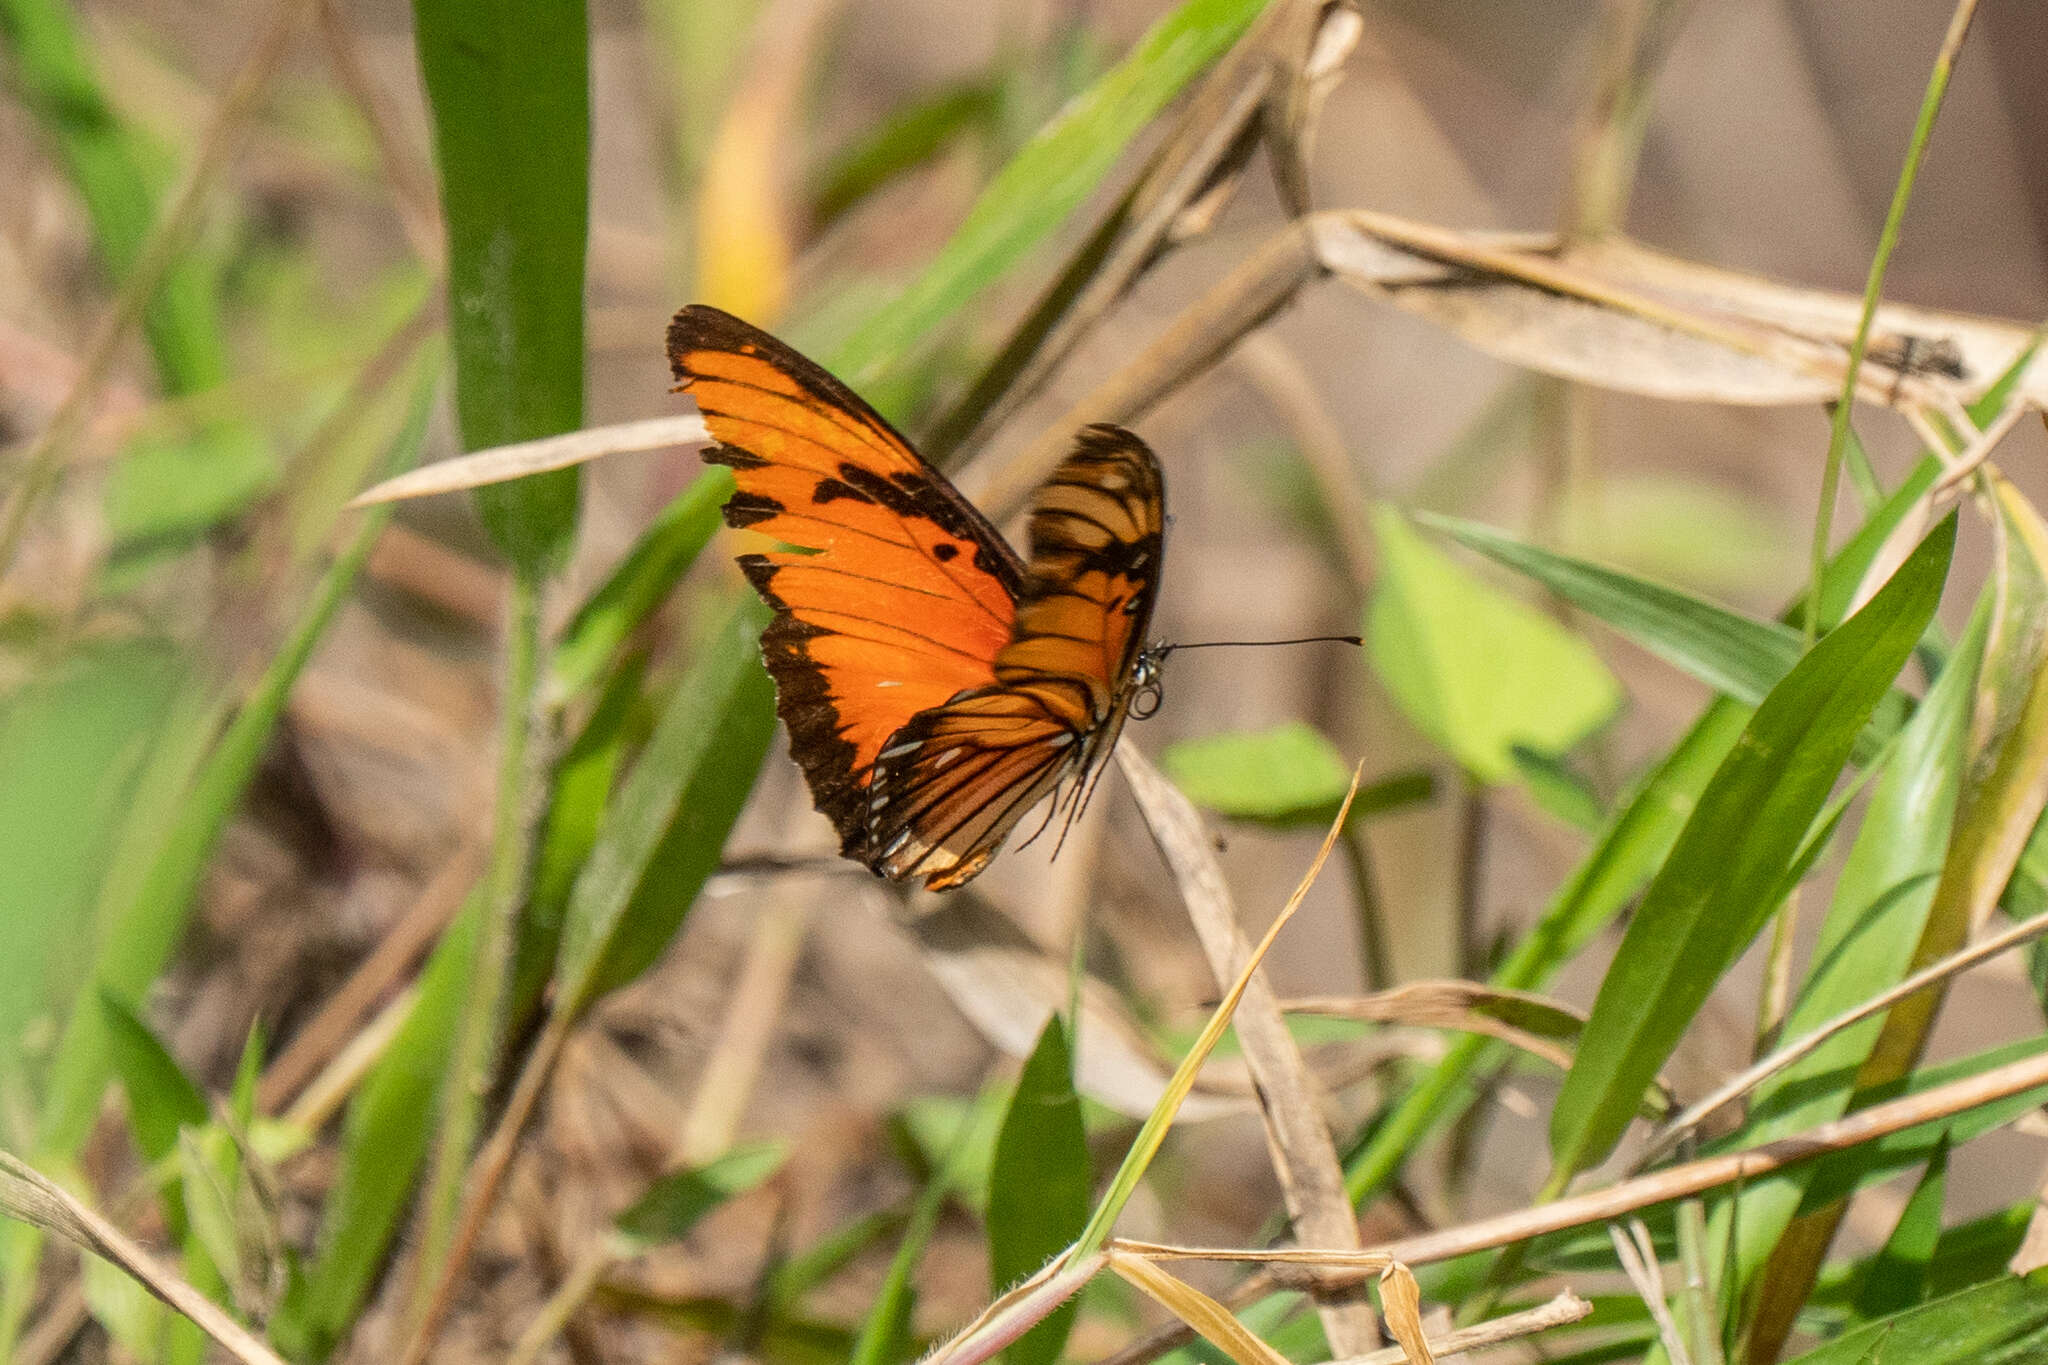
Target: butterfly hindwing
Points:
(952, 783)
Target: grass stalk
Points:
(1873, 289)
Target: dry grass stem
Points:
(26, 1195)
(1562, 1311)
(1638, 1257)
(1297, 1137)
(515, 461)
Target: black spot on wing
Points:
(748, 509)
(945, 553)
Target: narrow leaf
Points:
(679, 1201)
(1711, 896)
(1038, 1186)
(509, 87)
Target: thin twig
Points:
(1735, 1087)
(1297, 1137)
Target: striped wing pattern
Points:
(934, 686)
(951, 784)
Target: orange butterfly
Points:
(936, 687)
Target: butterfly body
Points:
(936, 686)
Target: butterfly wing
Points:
(952, 783)
(898, 594)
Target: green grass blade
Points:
(668, 823)
(384, 1140)
(1734, 654)
(1050, 178)
(120, 180)
(1038, 1187)
(1897, 1278)
(2001, 1322)
(161, 1097)
(1880, 904)
(1634, 845)
(679, 1201)
(508, 81)
(1710, 897)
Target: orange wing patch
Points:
(935, 687)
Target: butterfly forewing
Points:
(906, 595)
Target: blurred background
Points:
(735, 159)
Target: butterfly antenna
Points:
(1162, 649)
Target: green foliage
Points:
(511, 100)
(1725, 875)
(1038, 1186)
(1473, 669)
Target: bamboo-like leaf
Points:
(669, 820)
(679, 1201)
(1710, 897)
(142, 929)
(1880, 905)
(1049, 178)
(1038, 1186)
(508, 84)
(1897, 1277)
(384, 1139)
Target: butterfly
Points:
(936, 686)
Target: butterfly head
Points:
(1148, 692)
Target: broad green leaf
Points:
(508, 83)
(1050, 178)
(678, 1201)
(1897, 1277)
(1880, 904)
(1475, 670)
(1967, 1253)
(1271, 775)
(383, 1141)
(2001, 1322)
(161, 1098)
(666, 827)
(1038, 1187)
(71, 743)
(132, 1316)
(639, 585)
(1711, 896)
(1562, 793)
